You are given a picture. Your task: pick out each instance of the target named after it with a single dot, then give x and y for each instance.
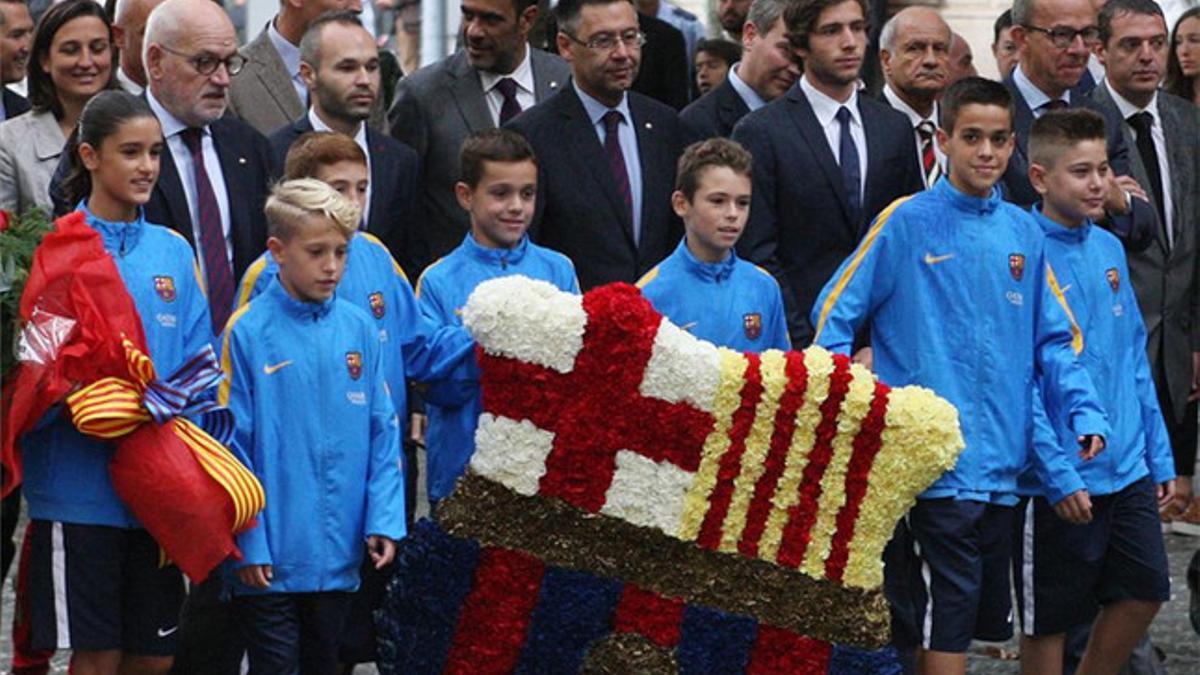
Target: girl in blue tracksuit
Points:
(95, 582)
(498, 190)
(306, 379)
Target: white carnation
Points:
(648, 493)
(511, 453)
(527, 320)
(682, 368)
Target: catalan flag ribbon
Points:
(112, 407)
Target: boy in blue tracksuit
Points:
(499, 190)
(703, 287)
(306, 379)
(1090, 533)
(374, 282)
(954, 285)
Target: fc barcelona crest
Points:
(752, 324)
(1016, 265)
(377, 307)
(1114, 278)
(165, 287)
(354, 364)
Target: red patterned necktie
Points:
(616, 160)
(511, 107)
(217, 271)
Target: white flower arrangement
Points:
(648, 493)
(528, 320)
(511, 453)
(682, 368)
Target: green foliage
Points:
(19, 237)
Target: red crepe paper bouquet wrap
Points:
(83, 343)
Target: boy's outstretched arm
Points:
(385, 484)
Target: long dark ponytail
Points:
(101, 117)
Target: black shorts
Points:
(93, 587)
(1063, 573)
(958, 566)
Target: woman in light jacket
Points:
(70, 61)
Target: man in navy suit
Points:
(16, 37)
(826, 159)
(1055, 41)
(340, 65)
(767, 70)
(606, 155)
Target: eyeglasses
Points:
(206, 63)
(608, 41)
(1064, 37)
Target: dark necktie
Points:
(1056, 104)
(928, 156)
(616, 162)
(511, 107)
(851, 174)
(219, 275)
(1142, 123)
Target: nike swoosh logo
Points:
(689, 326)
(270, 370)
(162, 633)
(931, 259)
(1066, 288)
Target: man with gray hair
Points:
(129, 30)
(768, 68)
(914, 52)
(1055, 39)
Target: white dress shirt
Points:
(1034, 97)
(360, 138)
(915, 118)
(172, 127)
(522, 75)
(290, 54)
(826, 109)
(1160, 148)
(750, 97)
(127, 83)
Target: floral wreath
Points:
(642, 500)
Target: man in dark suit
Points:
(826, 159)
(768, 69)
(606, 155)
(16, 37)
(340, 65)
(664, 72)
(1055, 39)
(438, 106)
(914, 52)
(214, 179)
(1134, 44)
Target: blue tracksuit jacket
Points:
(316, 424)
(1094, 279)
(960, 299)
(374, 282)
(442, 291)
(731, 303)
(66, 473)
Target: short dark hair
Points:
(317, 149)
(566, 13)
(43, 95)
(727, 51)
(1004, 21)
(977, 91)
(1113, 8)
(491, 145)
(801, 16)
(714, 152)
(310, 44)
(1060, 130)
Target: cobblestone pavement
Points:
(1171, 630)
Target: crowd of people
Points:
(1029, 248)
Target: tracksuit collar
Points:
(966, 202)
(707, 271)
(119, 237)
(299, 308)
(1056, 230)
(497, 257)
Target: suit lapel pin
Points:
(241, 160)
(553, 84)
(649, 125)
